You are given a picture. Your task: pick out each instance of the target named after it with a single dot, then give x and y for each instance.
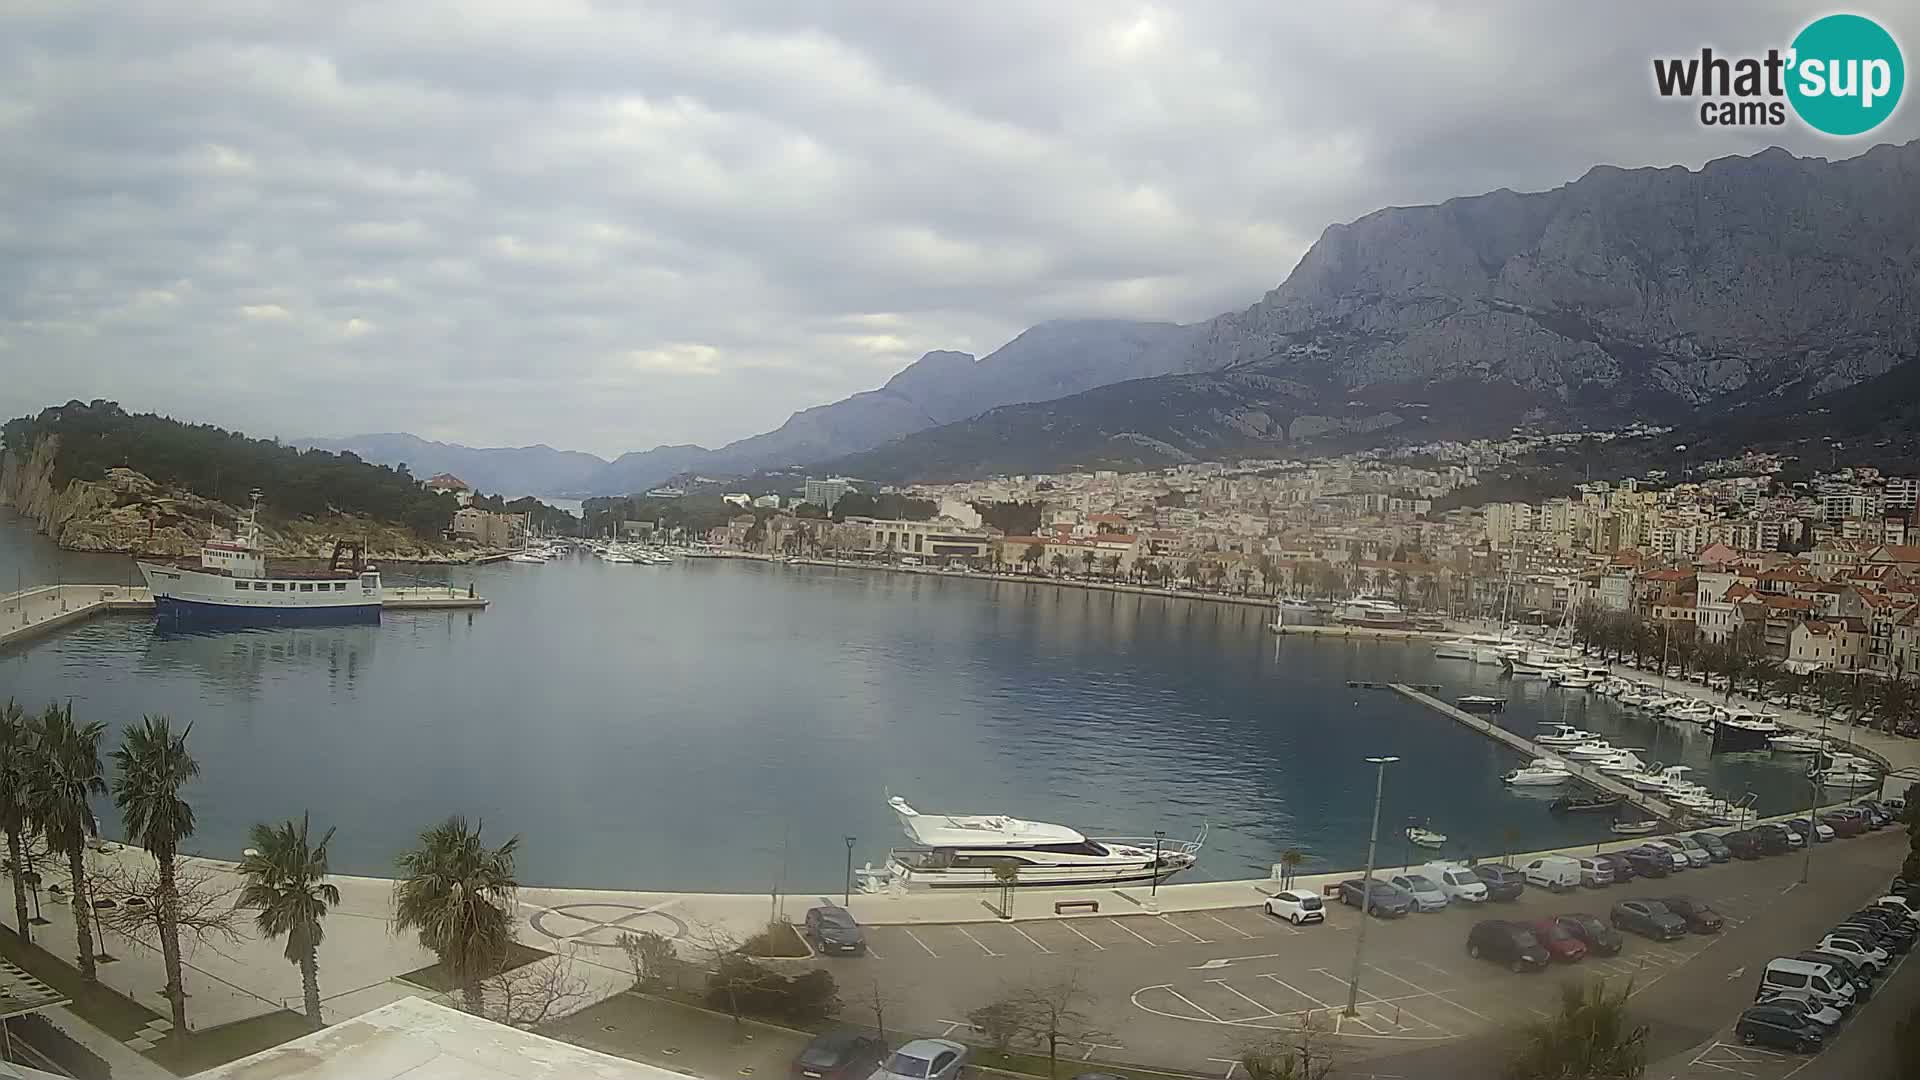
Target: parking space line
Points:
(1084, 937)
(1434, 994)
(1189, 933)
(1145, 941)
(1195, 1007)
(1436, 969)
(976, 941)
(1297, 990)
(871, 951)
(1401, 1011)
(922, 944)
(1229, 925)
(1265, 1009)
(1030, 937)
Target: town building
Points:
(490, 528)
(825, 493)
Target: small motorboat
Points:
(1544, 772)
(1635, 828)
(1795, 744)
(1424, 837)
(1582, 804)
(1481, 703)
(1564, 735)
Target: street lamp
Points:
(847, 898)
(1813, 805)
(1366, 881)
(1153, 890)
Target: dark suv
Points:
(1622, 866)
(1600, 939)
(832, 929)
(840, 1054)
(1772, 839)
(1509, 943)
(1649, 918)
(1693, 911)
(1503, 882)
(1649, 864)
(1387, 901)
(1742, 844)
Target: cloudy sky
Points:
(605, 225)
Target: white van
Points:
(1556, 872)
(1458, 882)
(1821, 982)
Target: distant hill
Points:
(511, 471)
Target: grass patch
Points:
(109, 1010)
(778, 941)
(208, 1047)
(435, 977)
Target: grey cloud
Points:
(607, 226)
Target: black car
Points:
(1648, 918)
(1600, 939)
(832, 930)
(1742, 844)
(1699, 917)
(1772, 839)
(1893, 938)
(1503, 882)
(1509, 943)
(1622, 866)
(1649, 864)
(1779, 1027)
(1716, 847)
(1387, 902)
(841, 1054)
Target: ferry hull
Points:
(202, 613)
(1731, 737)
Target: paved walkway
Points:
(127, 1064)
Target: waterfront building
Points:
(825, 493)
(942, 538)
(490, 528)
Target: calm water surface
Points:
(698, 726)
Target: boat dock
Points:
(32, 612)
(1585, 773)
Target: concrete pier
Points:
(32, 612)
(1585, 773)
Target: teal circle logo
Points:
(1846, 74)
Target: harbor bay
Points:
(724, 725)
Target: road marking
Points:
(1084, 937)
(976, 941)
(953, 1026)
(1193, 1006)
(1790, 887)
(1436, 969)
(922, 944)
(1030, 936)
(1230, 1063)
(1267, 1010)
(1187, 932)
(1226, 960)
(1229, 925)
(1149, 944)
(1736, 972)
(1297, 990)
(1434, 994)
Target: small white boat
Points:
(1543, 772)
(533, 557)
(1480, 703)
(1592, 751)
(1564, 735)
(1796, 744)
(1635, 828)
(1577, 681)
(1426, 838)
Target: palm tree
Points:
(1059, 562)
(1087, 559)
(286, 881)
(1033, 555)
(1290, 862)
(458, 896)
(67, 777)
(1113, 565)
(152, 765)
(1591, 1037)
(16, 764)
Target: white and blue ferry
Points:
(233, 583)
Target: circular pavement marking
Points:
(600, 924)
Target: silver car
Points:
(1427, 896)
(923, 1059)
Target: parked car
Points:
(1858, 949)
(1892, 926)
(1774, 838)
(832, 930)
(1902, 902)
(1819, 978)
(1820, 1013)
(843, 1053)
(1648, 863)
(1507, 942)
(1677, 858)
(1716, 848)
(1553, 872)
(1799, 827)
(1648, 918)
(1878, 816)
(1696, 852)
(1595, 872)
(1845, 822)
(1599, 938)
(1742, 844)
(1695, 912)
(1457, 880)
(1297, 906)
(1622, 866)
(1778, 1027)
(1386, 902)
(1869, 932)
(1561, 944)
(1856, 976)
(1503, 882)
(924, 1059)
(1426, 895)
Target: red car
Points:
(1560, 943)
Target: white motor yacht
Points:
(963, 851)
(1590, 751)
(1563, 735)
(1621, 765)
(1796, 743)
(1542, 772)
(1575, 679)
(1848, 771)
(1742, 729)
(1469, 646)
(1691, 712)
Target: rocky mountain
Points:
(1751, 283)
(509, 471)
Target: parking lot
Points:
(1184, 990)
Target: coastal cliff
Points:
(127, 512)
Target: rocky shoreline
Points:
(126, 513)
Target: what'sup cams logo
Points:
(1842, 76)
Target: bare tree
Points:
(1302, 1053)
(203, 901)
(652, 957)
(731, 976)
(869, 996)
(1046, 1014)
(532, 994)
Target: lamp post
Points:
(1366, 882)
(1153, 890)
(847, 897)
(1813, 806)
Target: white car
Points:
(1296, 906)
(1696, 854)
(1457, 881)
(1896, 902)
(1872, 957)
(1677, 857)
